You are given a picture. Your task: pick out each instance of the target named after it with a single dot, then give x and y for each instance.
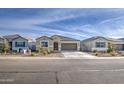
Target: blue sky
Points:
(76, 23)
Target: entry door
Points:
(55, 45)
(123, 46)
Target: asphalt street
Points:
(61, 71)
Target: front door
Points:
(55, 45)
(123, 47)
(20, 50)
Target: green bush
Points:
(96, 54)
(94, 51)
(6, 48)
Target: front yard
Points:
(33, 54)
(106, 54)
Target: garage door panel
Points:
(69, 46)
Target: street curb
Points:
(61, 57)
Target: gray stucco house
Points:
(17, 43)
(57, 43)
(99, 43)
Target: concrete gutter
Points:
(61, 57)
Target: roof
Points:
(1, 38)
(12, 37)
(96, 37)
(63, 38)
(43, 37)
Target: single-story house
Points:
(58, 43)
(99, 43)
(32, 46)
(17, 43)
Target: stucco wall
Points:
(90, 45)
(1, 40)
(19, 40)
(50, 43)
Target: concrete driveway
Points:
(76, 54)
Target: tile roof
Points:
(109, 39)
(43, 37)
(63, 38)
(12, 37)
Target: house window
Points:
(19, 44)
(100, 44)
(44, 44)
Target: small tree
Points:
(40, 50)
(6, 48)
(110, 48)
(43, 51)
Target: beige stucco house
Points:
(58, 43)
(99, 43)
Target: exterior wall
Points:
(19, 40)
(118, 47)
(91, 45)
(32, 46)
(86, 46)
(1, 41)
(100, 49)
(50, 44)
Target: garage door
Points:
(69, 46)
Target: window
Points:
(44, 44)
(19, 44)
(100, 44)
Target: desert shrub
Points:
(94, 51)
(32, 54)
(113, 53)
(96, 54)
(14, 53)
(43, 51)
(122, 54)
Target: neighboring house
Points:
(17, 43)
(32, 46)
(57, 43)
(99, 43)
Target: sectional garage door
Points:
(69, 46)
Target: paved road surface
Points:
(62, 71)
